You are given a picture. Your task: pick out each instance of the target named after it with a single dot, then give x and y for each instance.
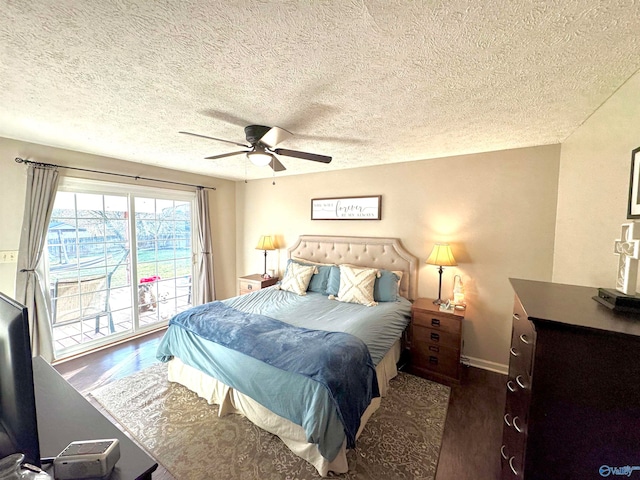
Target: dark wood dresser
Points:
(573, 392)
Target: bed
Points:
(314, 414)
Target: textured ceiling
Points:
(367, 82)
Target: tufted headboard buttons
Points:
(379, 252)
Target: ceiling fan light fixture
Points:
(260, 158)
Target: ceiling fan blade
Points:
(218, 139)
(304, 155)
(213, 157)
(274, 136)
(276, 165)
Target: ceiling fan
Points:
(261, 149)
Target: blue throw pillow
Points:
(385, 288)
(333, 282)
(319, 281)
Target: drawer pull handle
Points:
(520, 381)
(513, 469)
(524, 339)
(435, 322)
(249, 287)
(502, 452)
(507, 421)
(516, 316)
(514, 352)
(434, 348)
(511, 386)
(435, 337)
(516, 426)
(433, 360)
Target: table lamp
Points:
(265, 243)
(441, 256)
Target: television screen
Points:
(18, 424)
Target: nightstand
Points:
(252, 283)
(435, 341)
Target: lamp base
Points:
(439, 301)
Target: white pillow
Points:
(356, 285)
(296, 278)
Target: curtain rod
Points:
(135, 177)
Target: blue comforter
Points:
(339, 361)
(296, 397)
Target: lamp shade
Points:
(441, 255)
(266, 243)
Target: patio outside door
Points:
(118, 263)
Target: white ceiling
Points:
(366, 82)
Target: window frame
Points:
(90, 186)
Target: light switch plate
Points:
(8, 256)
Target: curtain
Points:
(42, 183)
(205, 291)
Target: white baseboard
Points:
(487, 365)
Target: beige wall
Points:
(12, 192)
(594, 188)
(496, 209)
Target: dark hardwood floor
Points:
(472, 434)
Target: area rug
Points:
(184, 433)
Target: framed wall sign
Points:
(346, 208)
(634, 185)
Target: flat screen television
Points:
(18, 423)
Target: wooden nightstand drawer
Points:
(436, 321)
(436, 359)
(253, 283)
(436, 337)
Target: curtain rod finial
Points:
(19, 160)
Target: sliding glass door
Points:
(119, 262)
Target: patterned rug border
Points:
(402, 440)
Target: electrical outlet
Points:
(9, 256)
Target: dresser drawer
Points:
(523, 340)
(512, 455)
(436, 359)
(516, 412)
(437, 322)
(515, 428)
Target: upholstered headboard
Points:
(378, 252)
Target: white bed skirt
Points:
(232, 401)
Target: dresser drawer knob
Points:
(511, 387)
(514, 352)
(434, 348)
(507, 421)
(503, 452)
(435, 337)
(524, 339)
(433, 360)
(515, 424)
(520, 381)
(513, 469)
(249, 287)
(435, 322)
